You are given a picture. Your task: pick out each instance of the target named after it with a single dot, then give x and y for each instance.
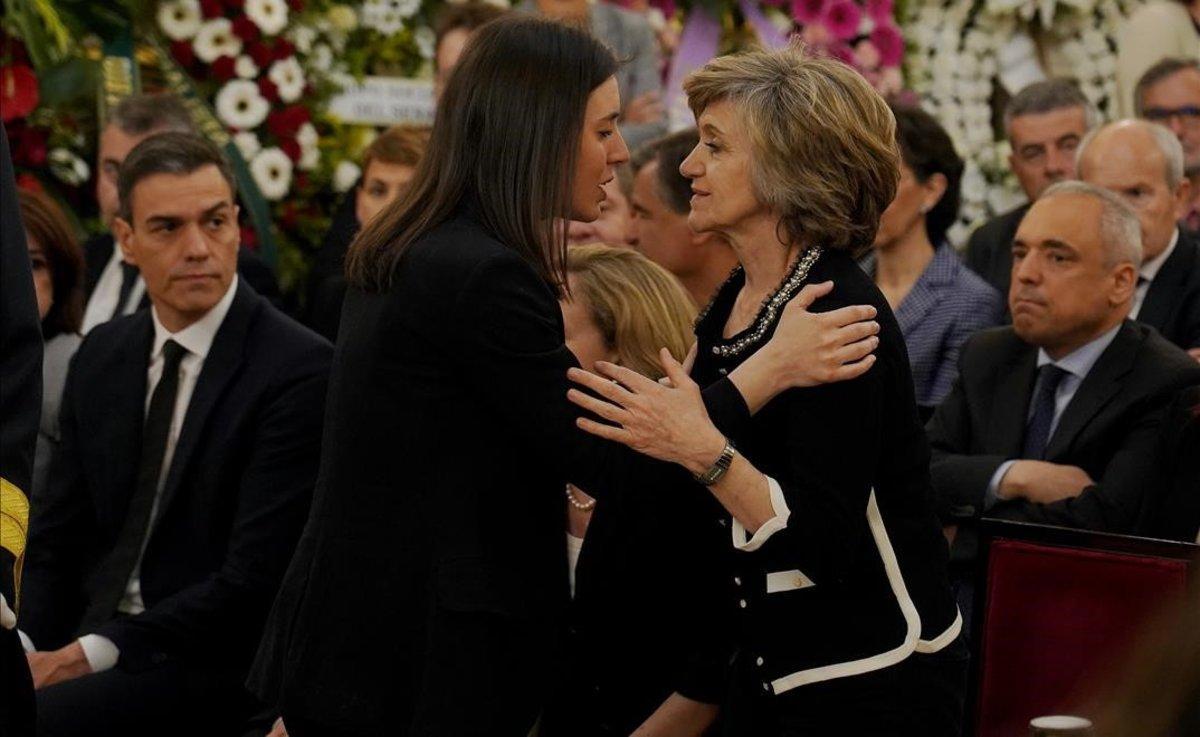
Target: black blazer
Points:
(857, 580)
(1173, 512)
(98, 249)
(448, 443)
(234, 500)
(989, 250)
(1109, 429)
(1172, 304)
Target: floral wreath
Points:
(961, 53)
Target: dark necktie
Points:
(1037, 434)
(129, 277)
(112, 577)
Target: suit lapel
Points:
(223, 363)
(124, 412)
(1160, 297)
(1010, 403)
(1101, 384)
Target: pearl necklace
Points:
(771, 306)
(581, 506)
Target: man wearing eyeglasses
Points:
(1169, 94)
(1044, 122)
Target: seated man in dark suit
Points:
(112, 285)
(1055, 419)
(1174, 513)
(1143, 164)
(190, 438)
(1045, 123)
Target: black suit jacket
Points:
(1172, 304)
(234, 501)
(1173, 513)
(1110, 428)
(98, 249)
(448, 444)
(989, 250)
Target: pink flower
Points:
(808, 11)
(866, 56)
(842, 18)
(816, 35)
(887, 39)
(880, 10)
(842, 53)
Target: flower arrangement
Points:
(862, 34)
(962, 53)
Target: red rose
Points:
(245, 29)
(28, 146)
(224, 68)
(260, 54)
(301, 183)
(211, 8)
(183, 53)
(291, 148)
(286, 122)
(18, 92)
(297, 6)
(283, 48)
(29, 183)
(268, 89)
(249, 238)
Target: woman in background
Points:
(57, 261)
(641, 648)
(938, 301)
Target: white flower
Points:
(306, 135)
(248, 144)
(240, 105)
(321, 58)
(68, 167)
(179, 19)
(426, 41)
(499, 3)
(288, 78)
(345, 175)
(272, 171)
(406, 8)
(245, 67)
(342, 17)
(271, 16)
(215, 39)
(303, 37)
(310, 158)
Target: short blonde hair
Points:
(824, 154)
(638, 305)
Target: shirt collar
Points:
(198, 337)
(1151, 268)
(1079, 362)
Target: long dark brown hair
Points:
(505, 140)
(46, 223)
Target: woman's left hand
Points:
(665, 422)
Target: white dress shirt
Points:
(102, 303)
(1078, 364)
(1147, 273)
(197, 338)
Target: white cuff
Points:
(8, 619)
(768, 528)
(992, 495)
(26, 642)
(100, 652)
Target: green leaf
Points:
(73, 80)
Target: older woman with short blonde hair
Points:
(847, 623)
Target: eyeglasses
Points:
(1188, 115)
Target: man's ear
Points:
(123, 234)
(1124, 284)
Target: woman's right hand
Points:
(809, 348)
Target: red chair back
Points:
(1056, 611)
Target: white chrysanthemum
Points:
(310, 158)
(272, 172)
(303, 38)
(248, 144)
(68, 167)
(240, 105)
(342, 17)
(345, 175)
(271, 16)
(406, 8)
(288, 78)
(245, 67)
(321, 58)
(179, 19)
(216, 38)
(306, 135)
(426, 41)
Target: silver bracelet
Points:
(719, 467)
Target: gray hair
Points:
(1048, 96)
(168, 153)
(1120, 231)
(1166, 142)
(136, 115)
(1167, 67)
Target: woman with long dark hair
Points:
(429, 590)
